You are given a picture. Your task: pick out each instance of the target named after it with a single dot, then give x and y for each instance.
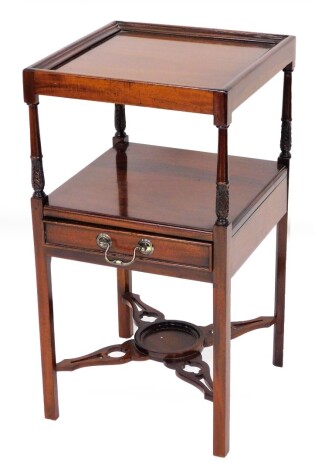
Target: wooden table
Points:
(181, 213)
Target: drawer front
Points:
(168, 250)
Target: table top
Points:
(169, 67)
(147, 186)
(151, 58)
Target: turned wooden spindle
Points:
(120, 125)
(38, 179)
(222, 188)
(122, 180)
(124, 276)
(286, 138)
(120, 141)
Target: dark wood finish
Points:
(248, 237)
(169, 339)
(166, 190)
(259, 73)
(280, 291)
(200, 33)
(199, 376)
(38, 179)
(55, 83)
(121, 144)
(222, 203)
(78, 47)
(239, 328)
(204, 213)
(133, 63)
(141, 310)
(150, 58)
(124, 285)
(120, 125)
(221, 338)
(286, 139)
(222, 186)
(282, 227)
(167, 250)
(45, 312)
(223, 162)
(104, 357)
(124, 277)
(146, 266)
(177, 344)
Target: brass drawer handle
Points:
(104, 241)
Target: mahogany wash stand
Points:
(181, 213)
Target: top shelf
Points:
(188, 69)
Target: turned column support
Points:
(286, 137)
(38, 179)
(120, 125)
(222, 188)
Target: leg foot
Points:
(221, 340)
(280, 291)
(46, 320)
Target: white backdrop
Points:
(139, 414)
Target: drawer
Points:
(166, 250)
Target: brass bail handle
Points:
(104, 241)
